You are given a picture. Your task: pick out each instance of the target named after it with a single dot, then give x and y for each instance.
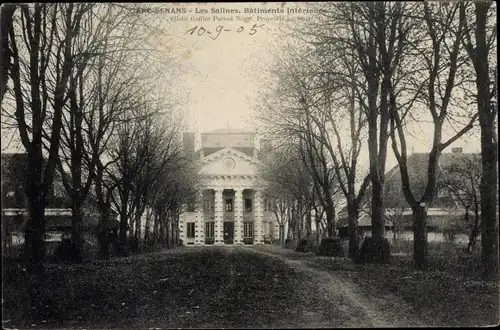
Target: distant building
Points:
(231, 208)
(58, 209)
(444, 209)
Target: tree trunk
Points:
(176, 229)
(377, 211)
(420, 237)
(122, 241)
(308, 223)
(156, 229)
(138, 224)
(475, 230)
(353, 232)
(299, 222)
(7, 13)
(34, 243)
(489, 218)
(138, 229)
(488, 188)
(282, 234)
(162, 231)
(168, 231)
(330, 220)
(290, 230)
(147, 227)
(77, 226)
(489, 145)
(76, 146)
(103, 237)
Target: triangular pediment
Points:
(229, 161)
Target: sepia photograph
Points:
(249, 165)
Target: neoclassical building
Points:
(231, 208)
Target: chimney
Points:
(188, 142)
(456, 150)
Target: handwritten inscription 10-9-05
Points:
(200, 30)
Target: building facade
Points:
(230, 208)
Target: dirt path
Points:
(346, 296)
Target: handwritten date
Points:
(200, 30)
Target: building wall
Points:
(216, 140)
(243, 172)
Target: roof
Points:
(229, 150)
(228, 131)
(249, 151)
(417, 170)
(364, 220)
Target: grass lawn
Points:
(187, 287)
(450, 293)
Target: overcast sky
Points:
(219, 85)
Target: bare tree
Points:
(41, 41)
(298, 114)
(289, 189)
(360, 29)
(111, 38)
(462, 181)
(160, 148)
(441, 61)
(480, 47)
(6, 19)
(348, 42)
(175, 187)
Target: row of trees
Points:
(80, 87)
(362, 76)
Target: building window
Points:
(190, 229)
(209, 230)
(190, 207)
(229, 205)
(248, 205)
(208, 205)
(247, 229)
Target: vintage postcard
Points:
(249, 165)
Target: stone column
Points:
(182, 225)
(200, 223)
(218, 218)
(238, 216)
(258, 229)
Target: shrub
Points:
(248, 240)
(133, 244)
(373, 251)
(331, 247)
(306, 245)
(290, 243)
(209, 240)
(449, 235)
(301, 246)
(67, 251)
(269, 240)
